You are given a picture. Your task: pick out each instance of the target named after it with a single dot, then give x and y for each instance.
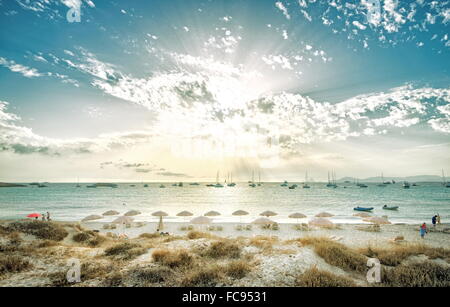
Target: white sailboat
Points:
(305, 184)
(218, 185)
(230, 182)
(382, 184)
(252, 183)
(444, 180)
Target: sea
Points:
(67, 202)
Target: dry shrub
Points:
(194, 234)
(149, 235)
(113, 280)
(40, 229)
(337, 254)
(318, 278)
(222, 249)
(46, 243)
(396, 255)
(263, 242)
(425, 274)
(88, 270)
(237, 269)
(153, 275)
(125, 251)
(203, 277)
(13, 264)
(81, 237)
(172, 259)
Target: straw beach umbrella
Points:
(240, 213)
(160, 214)
(185, 213)
(123, 220)
(92, 217)
(324, 214)
(268, 213)
(297, 216)
(321, 222)
(212, 213)
(110, 213)
(132, 213)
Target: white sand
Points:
(346, 233)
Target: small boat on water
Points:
(284, 184)
(305, 184)
(363, 209)
(162, 186)
(385, 207)
(406, 185)
(292, 187)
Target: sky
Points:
(97, 90)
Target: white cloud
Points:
(23, 70)
(283, 9)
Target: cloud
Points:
(23, 70)
(170, 174)
(283, 9)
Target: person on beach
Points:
(43, 217)
(48, 216)
(423, 230)
(433, 221)
(438, 219)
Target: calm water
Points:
(66, 202)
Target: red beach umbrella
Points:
(34, 215)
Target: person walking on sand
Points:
(48, 216)
(433, 221)
(438, 219)
(423, 230)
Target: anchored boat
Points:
(363, 209)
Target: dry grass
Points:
(113, 280)
(237, 269)
(317, 278)
(204, 276)
(222, 249)
(172, 259)
(46, 243)
(194, 234)
(337, 254)
(263, 242)
(40, 229)
(88, 270)
(89, 238)
(149, 235)
(396, 255)
(13, 264)
(426, 274)
(153, 275)
(125, 251)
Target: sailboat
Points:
(252, 183)
(218, 185)
(284, 184)
(230, 182)
(382, 184)
(259, 178)
(331, 183)
(78, 183)
(444, 181)
(406, 185)
(305, 184)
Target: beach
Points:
(230, 257)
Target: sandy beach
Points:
(36, 253)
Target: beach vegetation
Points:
(320, 278)
(173, 258)
(13, 264)
(40, 229)
(222, 249)
(423, 274)
(125, 251)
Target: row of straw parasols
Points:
(319, 220)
